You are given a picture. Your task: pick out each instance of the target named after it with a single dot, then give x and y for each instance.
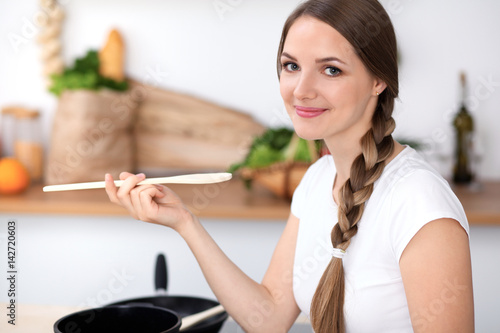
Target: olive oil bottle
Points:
(464, 127)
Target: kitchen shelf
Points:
(223, 200)
(229, 200)
(481, 203)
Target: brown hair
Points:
(367, 27)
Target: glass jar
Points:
(28, 147)
(7, 131)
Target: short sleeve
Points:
(418, 199)
(315, 171)
(298, 197)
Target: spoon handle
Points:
(194, 319)
(200, 178)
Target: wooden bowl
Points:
(280, 178)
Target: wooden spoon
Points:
(194, 319)
(200, 178)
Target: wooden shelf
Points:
(481, 203)
(225, 200)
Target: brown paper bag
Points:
(91, 136)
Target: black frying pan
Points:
(123, 319)
(182, 305)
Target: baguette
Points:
(111, 57)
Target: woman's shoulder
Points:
(318, 179)
(411, 193)
(325, 161)
(409, 170)
(321, 168)
(420, 191)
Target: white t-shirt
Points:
(409, 194)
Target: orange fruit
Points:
(14, 178)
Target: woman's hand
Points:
(150, 203)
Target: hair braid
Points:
(377, 145)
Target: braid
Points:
(376, 145)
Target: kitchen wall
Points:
(224, 51)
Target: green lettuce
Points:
(84, 75)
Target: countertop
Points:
(223, 200)
(41, 319)
(229, 200)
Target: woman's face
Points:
(327, 91)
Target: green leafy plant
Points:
(274, 146)
(84, 75)
(415, 144)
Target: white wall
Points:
(229, 58)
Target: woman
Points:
(376, 241)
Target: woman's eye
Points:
(332, 71)
(291, 67)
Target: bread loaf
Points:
(111, 57)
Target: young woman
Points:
(376, 240)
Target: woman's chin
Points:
(306, 133)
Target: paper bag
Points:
(91, 136)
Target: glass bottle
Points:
(464, 127)
(27, 143)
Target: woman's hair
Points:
(367, 27)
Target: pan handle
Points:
(161, 274)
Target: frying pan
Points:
(123, 319)
(182, 305)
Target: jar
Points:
(28, 147)
(7, 131)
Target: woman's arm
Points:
(437, 276)
(265, 307)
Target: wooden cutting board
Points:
(181, 132)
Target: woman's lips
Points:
(308, 112)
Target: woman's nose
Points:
(305, 88)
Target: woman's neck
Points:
(343, 154)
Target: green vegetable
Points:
(274, 145)
(263, 155)
(84, 75)
(302, 152)
(276, 139)
(417, 145)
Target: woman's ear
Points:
(379, 87)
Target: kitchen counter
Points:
(34, 318)
(41, 318)
(224, 200)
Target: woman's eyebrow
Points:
(284, 54)
(321, 60)
(328, 59)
